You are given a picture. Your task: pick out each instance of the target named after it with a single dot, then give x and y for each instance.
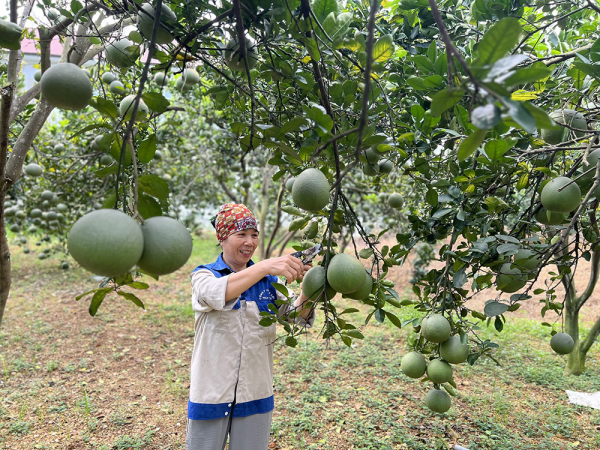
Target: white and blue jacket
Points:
(233, 354)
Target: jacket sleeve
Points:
(208, 291)
(287, 308)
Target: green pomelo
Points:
(289, 184)
(313, 282)
(35, 213)
(20, 214)
(105, 160)
(122, 53)
(53, 14)
(395, 200)
(364, 291)
(161, 79)
(37, 76)
(106, 242)
(190, 77)
(117, 88)
(47, 195)
(108, 77)
(439, 371)
(145, 23)
(527, 260)
(246, 184)
(564, 201)
(167, 245)
(14, 228)
(436, 328)
(386, 166)
(62, 207)
(52, 215)
(233, 54)
(32, 229)
(438, 400)
(564, 116)
(562, 343)
(372, 156)
(126, 108)
(33, 170)
(453, 351)
(311, 190)
(345, 273)
(10, 35)
(592, 160)
(510, 279)
(413, 365)
(546, 217)
(181, 86)
(66, 86)
(371, 170)
(59, 148)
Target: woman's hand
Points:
(288, 266)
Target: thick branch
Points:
(588, 341)
(594, 274)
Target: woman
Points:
(231, 386)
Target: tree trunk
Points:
(5, 278)
(576, 361)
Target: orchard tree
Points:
(473, 124)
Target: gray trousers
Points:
(245, 433)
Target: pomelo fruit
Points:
(190, 77)
(527, 260)
(33, 170)
(453, 351)
(311, 190)
(386, 166)
(510, 279)
(61, 207)
(37, 76)
(233, 56)
(413, 365)
(439, 371)
(246, 184)
(105, 160)
(345, 273)
(289, 184)
(59, 148)
(117, 88)
(161, 79)
(52, 215)
(436, 328)
(14, 228)
(122, 53)
(9, 212)
(47, 195)
(20, 214)
(167, 245)
(108, 77)
(36, 212)
(395, 200)
(438, 400)
(106, 242)
(546, 217)
(564, 201)
(145, 22)
(371, 156)
(10, 35)
(364, 291)
(564, 116)
(53, 14)
(65, 86)
(313, 282)
(126, 108)
(592, 160)
(562, 343)
(371, 170)
(181, 86)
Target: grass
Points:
(120, 380)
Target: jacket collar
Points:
(221, 265)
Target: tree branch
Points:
(587, 342)
(594, 275)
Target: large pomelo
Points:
(564, 116)
(313, 282)
(106, 242)
(161, 79)
(364, 291)
(413, 365)
(395, 200)
(126, 108)
(438, 400)
(167, 245)
(311, 190)
(439, 371)
(345, 273)
(108, 77)
(233, 54)
(592, 160)
(562, 343)
(145, 22)
(117, 88)
(548, 217)
(33, 170)
(190, 77)
(371, 170)
(561, 195)
(510, 279)
(66, 86)
(436, 328)
(122, 53)
(453, 351)
(10, 35)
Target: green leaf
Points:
(380, 315)
(105, 107)
(132, 298)
(520, 115)
(148, 207)
(503, 65)
(394, 319)
(106, 171)
(80, 296)
(156, 101)
(417, 83)
(595, 51)
(495, 149)
(292, 210)
(523, 181)
(497, 41)
(470, 144)
(147, 149)
(281, 288)
(407, 5)
(293, 125)
(485, 117)
(291, 341)
(542, 119)
(97, 300)
(383, 49)
(432, 197)
(154, 186)
(528, 75)
(366, 253)
(444, 100)
(322, 8)
(493, 308)
(138, 285)
(86, 129)
(312, 48)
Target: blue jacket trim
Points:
(207, 411)
(262, 292)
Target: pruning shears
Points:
(309, 254)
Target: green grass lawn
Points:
(120, 380)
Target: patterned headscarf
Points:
(233, 218)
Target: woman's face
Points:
(239, 248)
